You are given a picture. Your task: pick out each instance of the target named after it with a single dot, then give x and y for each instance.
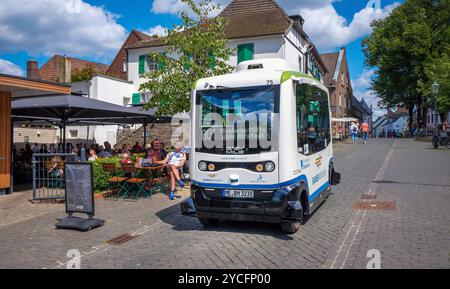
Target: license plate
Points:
(238, 194)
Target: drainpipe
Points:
(88, 85)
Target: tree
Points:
(401, 48)
(84, 74)
(195, 49)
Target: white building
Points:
(256, 29)
(104, 88)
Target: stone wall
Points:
(162, 131)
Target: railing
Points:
(48, 175)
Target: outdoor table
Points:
(154, 172)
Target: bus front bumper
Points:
(274, 206)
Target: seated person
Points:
(92, 155)
(137, 148)
(175, 161)
(102, 153)
(158, 150)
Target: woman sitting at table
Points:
(92, 155)
(175, 161)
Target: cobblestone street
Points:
(414, 232)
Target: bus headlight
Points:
(269, 166)
(202, 166)
(211, 167)
(259, 167)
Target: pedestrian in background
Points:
(364, 131)
(354, 130)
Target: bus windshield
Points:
(237, 121)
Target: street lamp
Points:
(435, 89)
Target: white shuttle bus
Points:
(261, 145)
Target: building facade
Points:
(59, 68)
(104, 88)
(118, 67)
(337, 79)
(256, 29)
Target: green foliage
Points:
(84, 74)
(100, 176)
(195, 49)
(406, 49)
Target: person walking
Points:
(354, 131)
(364, 131)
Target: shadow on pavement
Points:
(179, 222)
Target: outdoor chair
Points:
(159, 179)
(116, 181)
(133, 184)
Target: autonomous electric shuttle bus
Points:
(261, 145)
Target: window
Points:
(126, 100)
(245, 52)
(26, 139)
(300, 64)
(253, 107)
(73, 133)
(152, 64)
(124, 65)
(313, 118)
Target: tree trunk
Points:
(419, 112)
(410, 113)
(443, 117)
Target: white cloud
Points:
(156, 30)
(361, 89)
(177, 6)
(327, 29)
(47, 27)
(8, 67)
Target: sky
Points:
(96, 29)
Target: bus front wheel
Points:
(290, 227)
(208, 222)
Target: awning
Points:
(64, 110)
(72, 109)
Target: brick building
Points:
(338, 82)
(118, 67)
(60, 68)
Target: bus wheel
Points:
(208, 222)
(290, 227)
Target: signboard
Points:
(79, 188)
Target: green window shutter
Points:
(142, 64)
(245, 52)
(161, 63)
(212, 60)
(188, 65)
(136, 98)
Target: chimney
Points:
(67, 70)
(33, 70)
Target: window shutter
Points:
(188, 65)
(212, 60)
(161, 63)
(142, 64)
(136, 98)
(245, 52)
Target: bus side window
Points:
(313, 124)
(301, 116)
